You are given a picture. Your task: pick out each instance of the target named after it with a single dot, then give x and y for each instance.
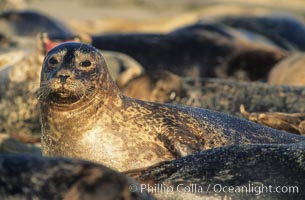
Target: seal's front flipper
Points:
(181, 142)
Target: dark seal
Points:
(250, 171)
(84, 115)
(30, 177)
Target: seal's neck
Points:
(60, 119)
(109, 95)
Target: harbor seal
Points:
(31, 177)
(289, 71)
(194, 53)
(227, 95)
(30, 23)
(20, 77)
(250, 171)
(84, 115)
(286, 31)
(159, 86)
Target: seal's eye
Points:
(53, 61)
(85, 63)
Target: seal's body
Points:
(30, 177)
(290, 71)
(84, 115)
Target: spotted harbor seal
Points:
(84, 115)
(227, 95)
(250, 171)
(20, 77)
(29, 177)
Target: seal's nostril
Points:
(63, 78)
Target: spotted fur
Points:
(107, 127)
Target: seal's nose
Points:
(63, 75)
(63, 78)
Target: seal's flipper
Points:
(181, 142)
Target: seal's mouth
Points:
(63, 97)
(53, 91)
(63, 94)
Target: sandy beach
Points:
(158, 16)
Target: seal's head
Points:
(72, 72)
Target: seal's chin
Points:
(63, 97)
